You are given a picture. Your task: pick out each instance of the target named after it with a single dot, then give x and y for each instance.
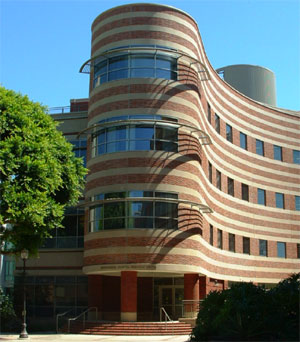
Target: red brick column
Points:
(191, 292)
(128, 296)
(95, 287)
(202, 287)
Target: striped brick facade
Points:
(126, 262)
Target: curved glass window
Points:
(135, 137)
(135, 213)
(134, 64)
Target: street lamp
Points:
(24, 257)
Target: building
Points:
(192, 184)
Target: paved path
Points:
(98, 338)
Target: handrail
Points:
(83, 313)
(190, 307)
(58, 316)
(167, 318)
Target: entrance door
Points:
(170, 298)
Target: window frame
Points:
(230, 186)
(280, 250)
(245, 192)
(229, 133)
(231, 242)
(263, 192)
(277, 152)
(260, 149)
(217, 123)
(243, 141)
(246, 245)
(219, 179)
(220, 239)
(279, 198)
(263, 247)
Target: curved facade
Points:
(189, 180)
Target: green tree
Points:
(246, 312)
(39, 173)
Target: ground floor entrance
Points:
(171, 299)
(128, 296)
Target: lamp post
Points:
(24, 257)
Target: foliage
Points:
(39, 173)
(6, 306)
(246, 312)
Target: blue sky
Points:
(44, 43)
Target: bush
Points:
(250, 313)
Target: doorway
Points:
(170, 298)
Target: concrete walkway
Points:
(98, 338)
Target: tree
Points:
(39, 173)
(246, 312)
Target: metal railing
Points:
(190, 308)
(58, 316)
(84, 317)
(59, 110)
(167, 318)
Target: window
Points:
(281, 250)
(246, 245)
(260, 147)
(217, 123)
(243, 141)
(230, 186)
(119, 211)
(277, 152)
(231, 241)
(229, 133)
(79, 148)
(261, 196)
(134, 65)
(245, 192)
(135, 136)
(211, 234)
(296, 157)
(279, 200)
(208, 113)
(263, 247)
(210, 172)
(220, 239)
(219, 179)
(297, 202)
(298, 250)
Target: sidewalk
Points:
(98, 338)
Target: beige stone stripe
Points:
(188, 252)
(217, 107)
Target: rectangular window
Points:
(211, 234)
(217, 123)
(208, 113)
(261, 196)
(296, 157)
(260, 147)
(231, 239)
(218, 179)
(245, 192)
(297, 202)
(246, 245)
(279, 200)
(243, 141)
(220, 239)
(210, 172)
(263, 247)
(281, 250)
(277, 152)
(229, 133)
(298, 250)
(230, 186)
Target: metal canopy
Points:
(202, 136)
(205, 209)
(202, 70)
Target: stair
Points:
(131, 328)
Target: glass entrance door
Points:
(170, 298)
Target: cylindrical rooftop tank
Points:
(254, 81)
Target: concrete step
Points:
(131, 328)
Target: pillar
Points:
(202, 287)
(129, 296)
(95, 294)
(191, 293)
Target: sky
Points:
(44, 43)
